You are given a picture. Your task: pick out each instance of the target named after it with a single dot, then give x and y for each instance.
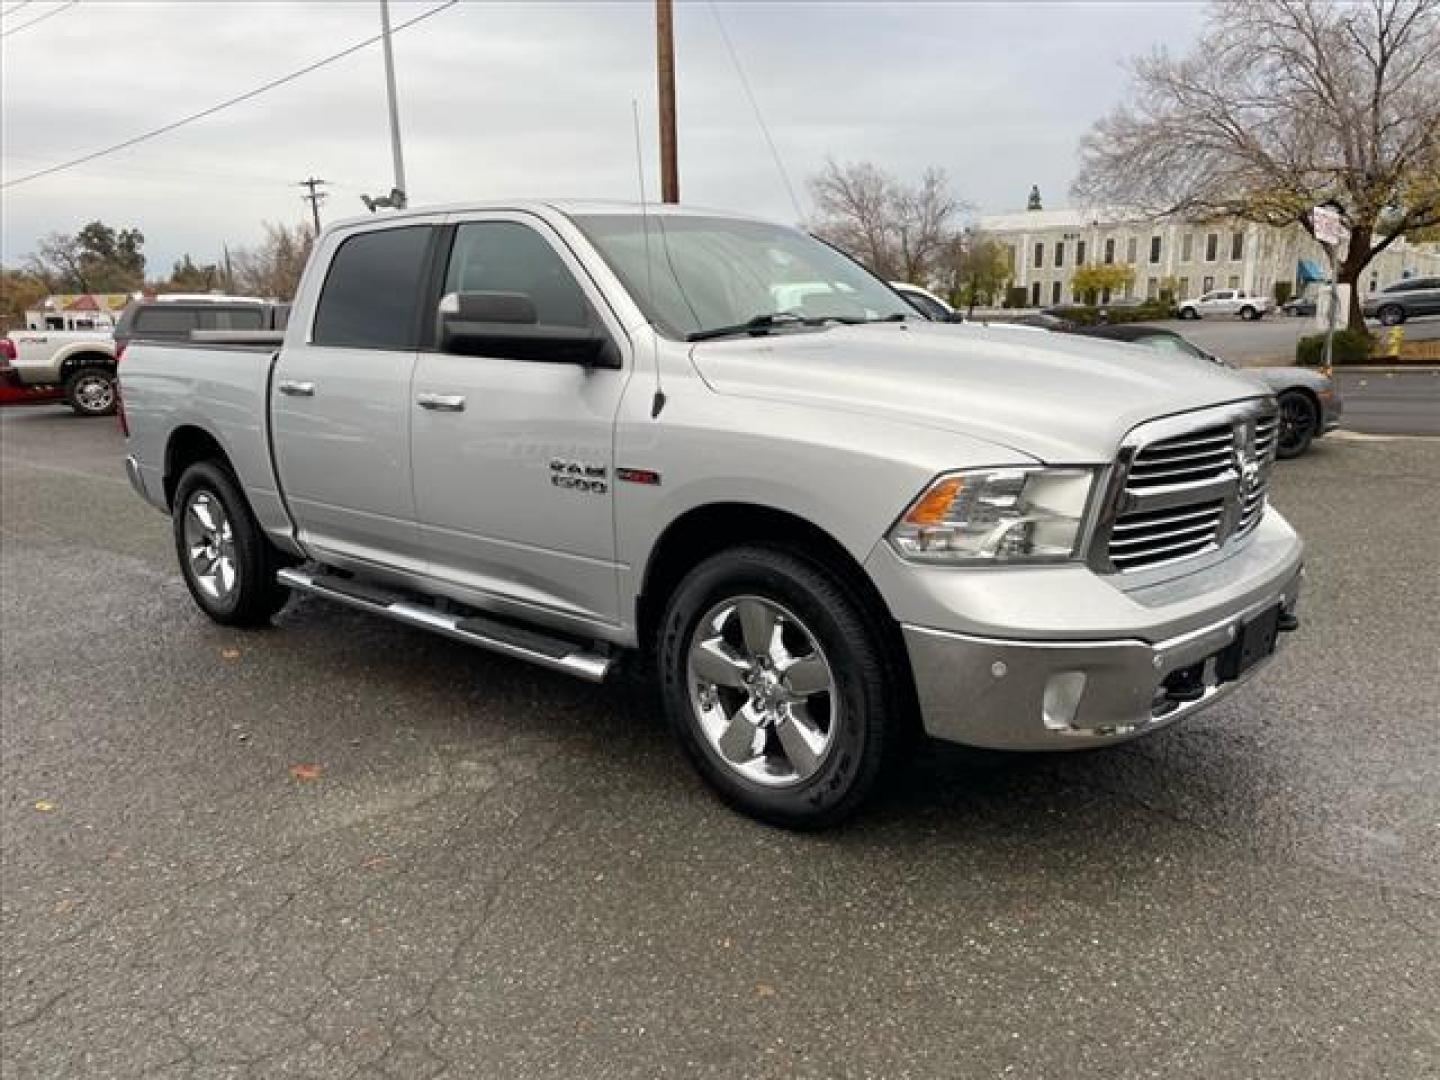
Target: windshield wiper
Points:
(760, 324)
(763, 324)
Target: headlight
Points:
(997, 515)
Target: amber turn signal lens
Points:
(931, 509)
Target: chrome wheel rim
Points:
(95, 393)
(210, 546)
(763, 691)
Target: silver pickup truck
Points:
(563, 432)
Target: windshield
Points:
(708, 273)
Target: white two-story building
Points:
(1187, 258)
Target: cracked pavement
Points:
(502, 873)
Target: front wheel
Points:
(1391, 315)
(226, 560)
(1248, 313)
(777, 684)
(90, 391)
(1298, 424)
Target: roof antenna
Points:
(658, 402)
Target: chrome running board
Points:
(536, 646)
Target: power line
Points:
(759, 117)
(271, 85)
(38, 19)
(17, 7)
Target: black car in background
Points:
(1309, 400)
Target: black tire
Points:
(255, 595)
(1391, 315)
(868, 706)
(1248, 313)
(1299, 421)
(90, 391)
(1189, 313)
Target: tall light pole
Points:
(398, 198)
(665, 65)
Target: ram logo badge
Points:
(578, 476)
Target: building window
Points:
(1234, 282)
(1212, 247)
(1237, 245)
(1010, 256)
(1131, 247)
(1187, 247)
(1105, 295)
(1184, 289)
(1039, 255)
(1060, 253)
(1080, 253)
(1109, 251)
(1034, 294)
(1208, 284)
(1154, 249)
(1152, 289)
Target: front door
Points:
(340, 402)
(514, 482)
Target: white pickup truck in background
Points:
(76, 366)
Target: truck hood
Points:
(1055, 397)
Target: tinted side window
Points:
(372, 290)
(164, 319)
(505, 256)
(923, 304)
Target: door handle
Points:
(442, 402)
(298, 389)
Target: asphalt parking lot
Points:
(343, 848)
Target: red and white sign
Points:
(1329, 229)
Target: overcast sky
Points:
(533, 99)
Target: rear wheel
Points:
(1248, 313)
(90, 391)
(777, 684)
(1391, 315)
(1189, 313)
(226, 560)
(1298, 424)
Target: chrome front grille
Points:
(1187, 486)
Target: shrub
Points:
(1351, 347)
(1283, 291)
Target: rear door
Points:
(340, 399)
(514, 483)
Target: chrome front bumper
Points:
(1066, 660)
(1069, 695)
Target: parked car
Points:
(927, 303)
(1222, 302)
(1309, 401)
(73, 366)
(1403, 300)
(1304, 305)
(525, 427)
(174, 317)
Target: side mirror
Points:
(955, 316)
(506, 325)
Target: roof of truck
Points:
(568, 207)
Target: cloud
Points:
(535, 99)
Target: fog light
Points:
(1062, 699)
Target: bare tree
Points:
(1284, 105)
(896, 229)
(273, 268)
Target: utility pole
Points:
(665, 55)
(398, 197)
(314, 198)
